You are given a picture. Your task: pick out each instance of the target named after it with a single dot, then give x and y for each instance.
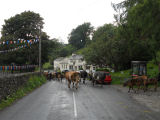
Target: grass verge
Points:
(32, 83)
(119, 77)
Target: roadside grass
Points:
(33, 83)
(119, 77)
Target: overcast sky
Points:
(61, 16)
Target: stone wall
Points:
(10, 83)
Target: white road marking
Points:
(75, 107)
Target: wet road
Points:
(54, 101)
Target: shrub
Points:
(103, 69)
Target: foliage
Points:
(57, 49)
(139, 24)
(99, 51)
(80, 36)
(22, 26)
(47, 65)
(120, 77)
(66, 50)
(103, 69)
(134, 38)
(31, 84)
(152, 70)
(28, 27)
(25, 26)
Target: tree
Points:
(66, 50)
(99, 52)
(22, 26)
(139, 22)
(80, 36)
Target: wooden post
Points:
(40, 66)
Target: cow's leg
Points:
(83, 80)
(93, 82)
(135, 88)
(132, 87)
(69, 82)
(156, 84)
(155, 89)
(61, 79)
(138, 88)
(129, 88)
(76, 84)
(73, 84)
(145, 87)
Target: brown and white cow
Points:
(72, 77)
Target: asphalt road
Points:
(54, 101)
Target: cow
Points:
(137, 81)
(53, 75)
(151, 81)
(98, 77)
(72, 77)
(83, 75)
(131, 82)
(48, 75)
(128, 83)
(58, 76)
(45, 74)
(63, 73)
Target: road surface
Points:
(54, 101)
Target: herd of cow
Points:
(141, 82)
(75, 77)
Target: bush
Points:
(47, 66)
(103, 69)
(152, 70)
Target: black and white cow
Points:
(83, 74)
(98, 77)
